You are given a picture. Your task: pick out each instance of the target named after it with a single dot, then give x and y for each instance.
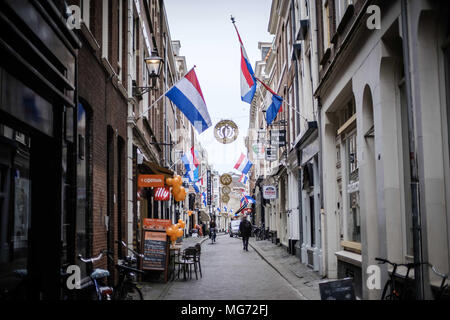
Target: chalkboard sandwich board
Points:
(156, 251)
(342, 289)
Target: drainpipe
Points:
(415, 205)
(297, 100)
(322, 210)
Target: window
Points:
(82, 234)
(85, 6)
(326, 24)
(354, 216)
(120, 38)
(15, 206)
(312, 221)
(105, 28)
(341, 7)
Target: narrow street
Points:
(231, 273)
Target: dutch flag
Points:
(248, 81)
(243, 179)
(191, 164)
(244, 165)
(188, 97)
(248, 199)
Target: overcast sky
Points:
(209, 41)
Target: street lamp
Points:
(154, 66)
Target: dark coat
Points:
(245, 228)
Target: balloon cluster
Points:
(175, 231)
(190, 213)
(178, 192)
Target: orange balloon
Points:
(180, 233)
(182, 194)
(180, 222)
(169, 181)
(178, 180)
(176, 189)
(170, 231)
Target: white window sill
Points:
(349, 257)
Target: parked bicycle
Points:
(99, 278)
(393, 291)
(443, 287)
(127, 288)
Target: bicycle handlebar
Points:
(90, 260)
(436, 272)
(125, 246)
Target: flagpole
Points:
(162, 96)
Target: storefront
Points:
(147, 207)
(38, 108)
(309, 186)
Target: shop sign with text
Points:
(150, 181)
(162, 194)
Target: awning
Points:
(204, 217)
(156, 169)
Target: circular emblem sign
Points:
(226, 179)
(225, 198)
(226, 131)
(226, 190)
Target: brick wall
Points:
(108, 107)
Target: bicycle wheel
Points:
(128, 291)
(389, 293)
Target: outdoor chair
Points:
(198, 247)
(190, 259)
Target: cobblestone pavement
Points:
(229, 273)
(302, 278)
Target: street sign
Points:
(271, 154)
(278, 138)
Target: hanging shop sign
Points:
(259, 151)
(226, 179)
(226, 190)
(209, 187)
(278, 138)
(162, 194)
(269, 192)
(150, 181)
(353, 187)
(226, 132)
(271, 154)
(156, 224)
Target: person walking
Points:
(245, 228)
(212, 231)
